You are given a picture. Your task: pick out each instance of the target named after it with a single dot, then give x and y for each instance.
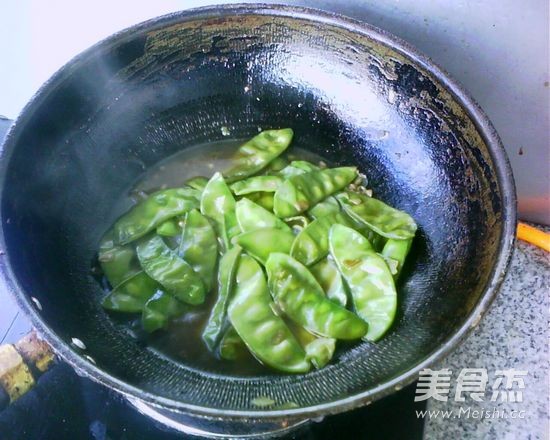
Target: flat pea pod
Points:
(391, 263)
(154, 210)
(131, 294)
(264, 199)
(169, 228)
(327, 275)
(117, 262)
(251, 216)
(290, 171)
(296, 167)
(300, 192)
(160, 310)
(218, 203)
(260, 243)
(368, 277)
(232, 346)
(303, 336)
(258, 152)
(381, 218)
(311, 244)
(265, 333)
(218, 316)
(170, 271)
(328, 206)
(199, 246)
(319, 351)
(375, 239)
(256, 184)
(398, 251)
(276, 165)
(302, 299)
(304, 165)
(198, 182)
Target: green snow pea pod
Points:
(391, 263)
(218, 316)
(302, 299)
(265, 334)
(218, 203)
(170, 271)
(327, 275)
(398, 251)
(319, 351)
(199, 246)
(300, 192)
(264, 199)
(311, 244)
(290, 171)
(251, 216)
(297, 167)
(159, 310)
(300, 333)
(304, 165)
(170, 228)
(381, 218)
(154, 210)
(368, 277)
(117, 262)
(328, 206)
(262, 242)
(256, 184)
(232, 346)
(275, 165)
(131, 294)
(375, 239)
(198, 182)
(131, 287)
(258, 152)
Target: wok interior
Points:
(131, 102)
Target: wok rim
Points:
(468, 104)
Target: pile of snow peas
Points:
(298, 256)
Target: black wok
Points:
(352, 94)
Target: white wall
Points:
(498, 49)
